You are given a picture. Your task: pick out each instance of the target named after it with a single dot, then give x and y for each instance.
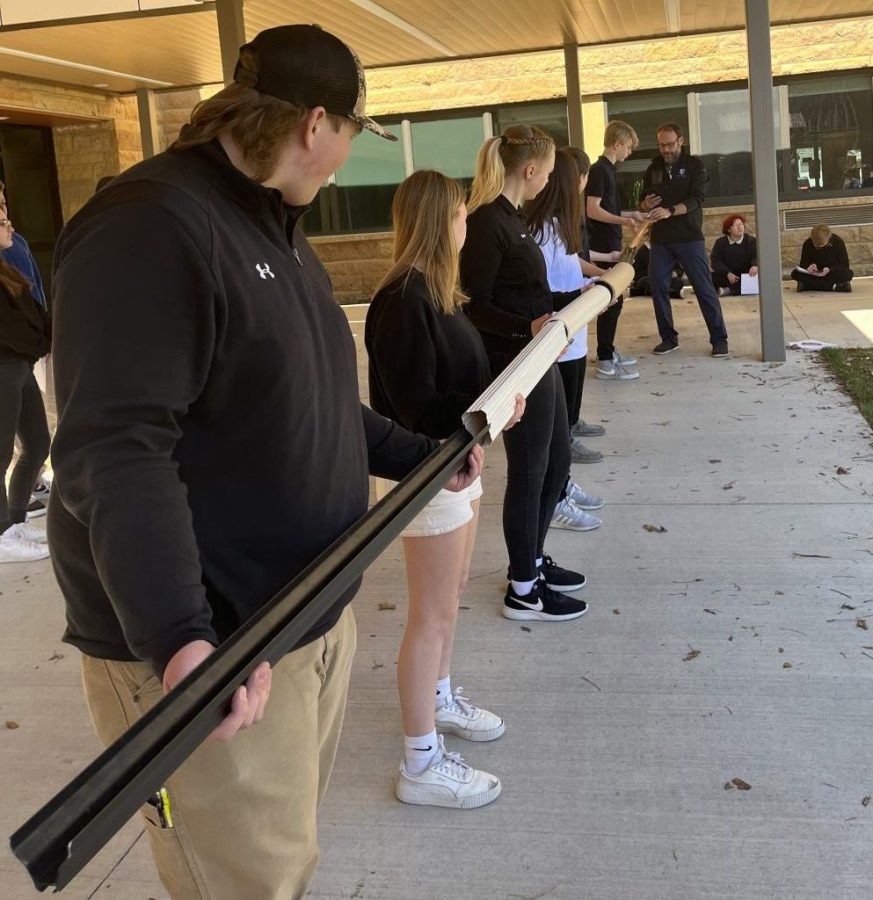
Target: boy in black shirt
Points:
(605, 221)
(824, 263)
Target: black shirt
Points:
(503, 272)
(25, 327)
(735, 258)
(426, 367)
(211, 441)
(605, 236)
(683, 182)
(832, 256)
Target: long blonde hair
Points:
(515, 148)
(423, 209)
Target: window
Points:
(551, 117)
(448, 145)
(831, 133)
(360, 200)
(644, 112)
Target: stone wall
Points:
(358, 262)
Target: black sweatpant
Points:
(21, 413)
(607, 324)
(822, 282)
(537, 463)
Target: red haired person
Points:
(733, 255)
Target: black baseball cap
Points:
(307, 65)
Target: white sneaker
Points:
(568, 515)
(613, 372)
(582, 499)
(460, 717)
(13, 549)
(447, 781)
(620, 360)
(685, 290)
(24, 532)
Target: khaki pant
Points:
(244, 811)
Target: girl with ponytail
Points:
(504, 275)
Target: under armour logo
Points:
(264, 270)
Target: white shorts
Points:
(448, 511)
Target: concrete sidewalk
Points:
(728, 646)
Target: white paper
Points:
(748, 284)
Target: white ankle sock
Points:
(420, 751)
(443, 691)
(539, 562)
(522, 588)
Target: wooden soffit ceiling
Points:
(158, 47)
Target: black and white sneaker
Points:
(542, 604)
(558, 579)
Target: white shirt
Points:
(564, 272)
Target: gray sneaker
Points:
(579, 453)
(568, 515)
(609, 371)
(586, 429)
(625, 361)
(581, 498)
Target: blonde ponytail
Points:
(518, 146)
(490, 175)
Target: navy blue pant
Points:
(691, 255)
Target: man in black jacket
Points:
(198, 347)
(673, 193)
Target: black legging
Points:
(572, 375)
(21, 413)
(537, 463)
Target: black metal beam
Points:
(62, 837)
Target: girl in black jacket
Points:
(25, 337)
(504, 274)
(733, 255)
(427, 365)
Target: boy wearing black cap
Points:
(205, 349)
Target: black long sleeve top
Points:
(683, 182)
(25, 327)
(426, 367)
(726, 256)
(199, 353)
(833, 255)
(503, 272)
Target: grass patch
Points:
(853, 369)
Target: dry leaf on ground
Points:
(741, 785)
(12, 725)
(692, 654)
(657, 529)
(861, 623)
(384, 606)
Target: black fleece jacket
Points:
(426, 367)
(211, 441)
(25, 327)
(503, 272)
(683, 182)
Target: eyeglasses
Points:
(5, 223)
(668, 145)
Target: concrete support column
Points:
(148, 122)
(766, 185)
(574, 94)
(231, 34)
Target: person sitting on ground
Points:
(824, 263)
(733, 255)
(641, 286)
(867, 176)
(25, 337)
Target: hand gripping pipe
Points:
(61, 838)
